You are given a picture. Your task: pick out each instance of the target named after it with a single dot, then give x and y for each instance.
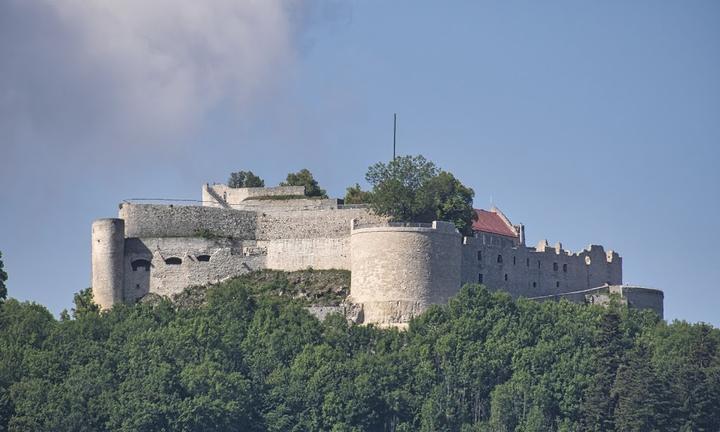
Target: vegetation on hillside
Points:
(413, 189)
(247, 357)
(304, 287)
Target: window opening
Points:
(145, 264)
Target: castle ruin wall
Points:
(232, 242)
(167, 265)
(529, 272)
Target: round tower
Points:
(398, 271)
(108, 250)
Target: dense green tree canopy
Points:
(244, 360)
(305, 178)
(413, 189)
(243, 179)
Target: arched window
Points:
(534, 284)
(145, 264)
(173, 261)
(565, 268)
(203, 258)
(499, 259)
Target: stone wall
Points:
(295, 204)
(234, 197)
(543, 270)
(166, 266)
(309, 224)
(396, 272)
(633, 296)
(151, 220)
(233, 241)
(299, 254)
(643, 298)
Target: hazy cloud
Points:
(87, 74)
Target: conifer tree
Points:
(3, 278)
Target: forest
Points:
(246, 358)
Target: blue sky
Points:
(589, 122)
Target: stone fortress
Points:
(397, 269)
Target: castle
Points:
(397, 269)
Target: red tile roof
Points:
(491, 222)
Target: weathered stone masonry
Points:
(397, 270)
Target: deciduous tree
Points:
(245, 179)
(305, 178)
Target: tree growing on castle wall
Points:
(305, 178)
(413, 189)
(3, 278)
(242, 179)
(355, 195)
